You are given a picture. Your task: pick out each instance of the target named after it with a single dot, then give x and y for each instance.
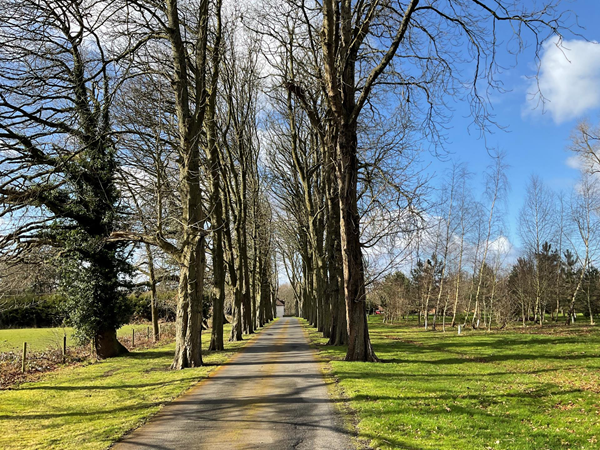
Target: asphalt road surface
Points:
(271, 396)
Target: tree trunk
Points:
(264, 290)
(589, 303)
(152, 278)
(255, 299)
(359, 343)
(218, 316)
(339, 325)
(188, 350)
(248, 322)
(236, 326)
(107, 345)
(216, 203)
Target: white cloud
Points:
(569, 80)
(501, 244)
(574, 162)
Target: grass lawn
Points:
(90, 407)
(499, 390)
(40, 339)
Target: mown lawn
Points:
(40, 339)
(499, 390)
(90, 407)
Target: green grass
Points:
(90, 407)
(505, 390)
(40, 339)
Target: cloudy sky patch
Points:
(569, 80)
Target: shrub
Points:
(33, 311)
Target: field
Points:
(527, 390)
(91, 406)
(40, 339)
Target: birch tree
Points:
(496, 185)
(536, 227)
(585, 205)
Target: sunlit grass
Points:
(504, 390)
(92, 406)
(40, 339)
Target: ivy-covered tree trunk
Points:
(95, 305)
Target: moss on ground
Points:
(533, 389)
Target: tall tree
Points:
(585, 205)
(496, 185)
(366, 48)
(175, 42)
(537, 227)
(57, 163)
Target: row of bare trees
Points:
(208, 135)
(130, 128)
(361, 86)
(204, 151)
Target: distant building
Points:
(280, 307)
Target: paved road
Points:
(272, 396)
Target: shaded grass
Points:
(507, 390)
(91, 407)
(41, 339)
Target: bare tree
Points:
(58, 80)
(536, 227)
(462, 230)
(496, 185)
(585, 205)
(585, 144)
(176, 41)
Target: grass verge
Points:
(41, 339)
(90, 407)
(504, 390)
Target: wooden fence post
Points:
(133, 337)
(24, 356)
(64, 355)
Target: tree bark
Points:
(188, 350)
(152, 278)
(359, 343)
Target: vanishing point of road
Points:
(271, 396)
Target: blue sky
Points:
(536, 142)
